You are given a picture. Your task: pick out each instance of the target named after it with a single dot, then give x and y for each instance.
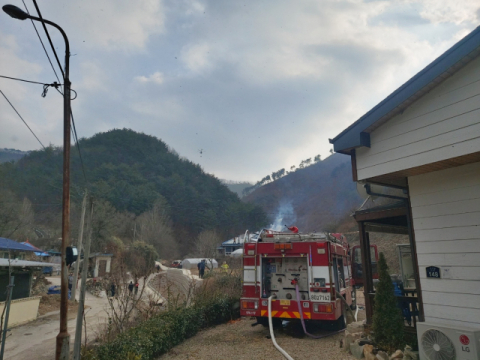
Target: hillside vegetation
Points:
(141, 185)
(322, 197)
(316, 198)
(237, 187)
(11, 155)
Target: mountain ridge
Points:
(133, 171)
(315, 198)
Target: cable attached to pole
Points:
(13, 107)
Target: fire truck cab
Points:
(308, 270)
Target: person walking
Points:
(112, 289)
(130, 287)
(201, 268)
(136, 287)
(70, 282)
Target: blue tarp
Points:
(39, 252)
(7, 244)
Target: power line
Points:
(30, 81)
(46, 53)
(13, 107)
(78, 146)
(45, 86)
(74, 132)
(49, 39)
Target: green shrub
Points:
(159, 334)
(387, 321)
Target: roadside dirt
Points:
(239, 340)
(49, 303)
(168, 288)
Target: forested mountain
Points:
(321, 197)
(11, 155)
(132, 174)
(236, 186)
(316, 198)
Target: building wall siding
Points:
(443, 124)
(446, 219)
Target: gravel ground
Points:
(239, 340)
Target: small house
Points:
(23, 308)
(229, 246)
(423, 143)
(100, 264)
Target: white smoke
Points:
(285, 216)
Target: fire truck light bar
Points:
(283, 246)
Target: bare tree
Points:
(154, 228)
(207, 243)
(126, 302)
(15, 216)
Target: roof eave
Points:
(431, 76)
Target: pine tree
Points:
(388, 324)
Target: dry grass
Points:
(49, 303)
(168, 289)
(238, 340)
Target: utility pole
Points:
(81, 301)
(79, 247)
(63, 338)
(7, 305)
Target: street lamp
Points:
(63, 337)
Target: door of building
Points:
(102, 268)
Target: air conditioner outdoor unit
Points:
(447, 342)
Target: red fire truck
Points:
(315, 266)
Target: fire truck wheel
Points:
(276, 322)
(336, 325)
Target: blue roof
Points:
(358, 134)
(38, 252)
(230, 242)
(7, 244)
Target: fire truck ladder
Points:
(246, 239)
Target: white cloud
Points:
(93, 77)
(109, 25)
(457, 12)
(257, 85)
(196, 57)
(156, 77)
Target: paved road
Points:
(37, 340)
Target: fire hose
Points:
(303, 321)
(270, 325)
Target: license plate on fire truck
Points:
(320, 297)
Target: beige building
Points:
(100, 264)
(424, 140)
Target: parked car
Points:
(47, 270)
(55, 289)
(176, 264)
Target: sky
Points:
(243, 88)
